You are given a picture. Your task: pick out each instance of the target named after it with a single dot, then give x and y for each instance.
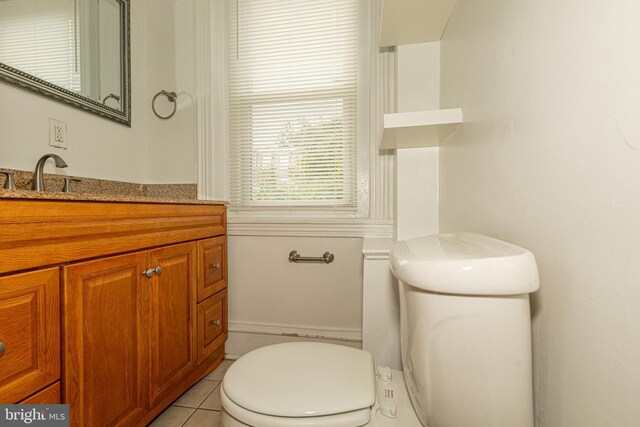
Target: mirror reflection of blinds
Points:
(293, 96)
(40, 37)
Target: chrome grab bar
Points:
(326, 258)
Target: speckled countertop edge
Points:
(86, 197)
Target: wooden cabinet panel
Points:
(29, 333)
(36, 233)
(212, 266)
(49, 395)
(172, 311)
(106, 340)
(212, 324)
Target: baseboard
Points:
(245, 337)
(298, 331)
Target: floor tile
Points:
(213, 401)
(204, 418)
(194, 397)
(173, 416)
(218, 373)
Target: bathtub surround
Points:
(91, 186)
(548, 159)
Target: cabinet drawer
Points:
(29, 333)
(212, 324)
(50, 395)
(212, 266)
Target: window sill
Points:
(309, 227)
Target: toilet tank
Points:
(466, 329)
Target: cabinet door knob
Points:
(216, 323)
(216, 266)
(148, 273)
(158, 270)
(2, 348)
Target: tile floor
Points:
(199, 406)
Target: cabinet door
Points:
(212, 324)
(29, 333)
(106, 340)
(212, 270)
(172, 310)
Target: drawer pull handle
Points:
(216, 323)
(2, 348)
(216, 266)
(148, 273)
(158, 270)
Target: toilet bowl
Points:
(336, 392)
(466, 351)
(300, 383)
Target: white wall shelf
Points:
(414, 21)
(419, 128)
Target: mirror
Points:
(75, 51)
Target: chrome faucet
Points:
(38, 176)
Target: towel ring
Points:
(171, 96)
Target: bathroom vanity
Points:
(115, 306)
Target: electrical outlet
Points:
(57, 133)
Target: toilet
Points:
(465, 341)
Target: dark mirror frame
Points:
(22, 80)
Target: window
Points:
(293, 103)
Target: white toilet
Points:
(466, 351)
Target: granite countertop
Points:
(88, 197)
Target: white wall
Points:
(149, 151)
(171, 63)
(269, 297)
(418, 88)
(548, 158)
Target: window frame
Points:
(376, 168)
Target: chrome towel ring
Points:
(171, 96)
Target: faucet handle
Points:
(9, 182)
(67, 184)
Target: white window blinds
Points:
(40, 37)
(293, 100)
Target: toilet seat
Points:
(301, 384)
(249, 418)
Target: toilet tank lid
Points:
(302, 379)
(465, 264)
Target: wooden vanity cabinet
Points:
(140, 289)
(143, 342)
(29, 333)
